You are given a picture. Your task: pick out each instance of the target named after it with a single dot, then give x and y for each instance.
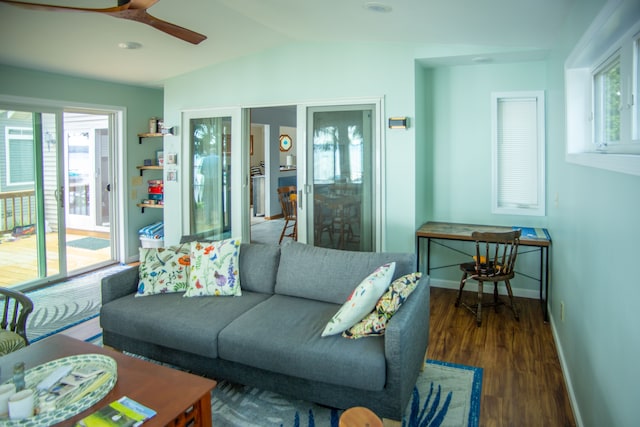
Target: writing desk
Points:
(539, 240)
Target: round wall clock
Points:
(285, 143)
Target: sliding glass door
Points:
(341, 177)
(54, 208)
(29, 192)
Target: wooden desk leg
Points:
(428, 256)
(546, 285)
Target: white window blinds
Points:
(518, 153)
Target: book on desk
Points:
(533, 233)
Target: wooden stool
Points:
(359, 417)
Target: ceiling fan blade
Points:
(141, 15)
(139, 4)
(133, 10)
(39, 6)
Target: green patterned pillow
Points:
(375, 322)
(214, 269)
(163, 270)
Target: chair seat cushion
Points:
(10, 342)
(485, 269)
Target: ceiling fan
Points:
(133, 10)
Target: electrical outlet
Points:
(562, 312)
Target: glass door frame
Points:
(240, 131)
(305, 189)
(117, 167)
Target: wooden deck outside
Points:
(19, 263)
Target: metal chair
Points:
(494, 261)
(288, 201)
(16, 309)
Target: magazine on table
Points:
(123, 412)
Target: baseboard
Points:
(565, 372)
(473, 287)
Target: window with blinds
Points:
(518, 143)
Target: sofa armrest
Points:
(406, 340)
(120, 284)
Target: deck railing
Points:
(17, 209)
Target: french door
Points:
(55, 218)
(216, 191)
(342, 175)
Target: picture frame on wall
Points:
(285, 143)
(172, 158)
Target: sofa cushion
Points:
(388, 304)
(361, 301)
(190, 324)
(258, 267)
(163, 270)
(329, 274)
(214, 269)
(257, 338)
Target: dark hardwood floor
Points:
(522, 381)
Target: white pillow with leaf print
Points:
(214, 269)
(388, 305)
(163, 270)
(361, 301)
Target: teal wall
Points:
(594, 223)
(596, 237)
(458, 137)
(140, 104)
(439, 169)
(316, 73)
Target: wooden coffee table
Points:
(178, 397)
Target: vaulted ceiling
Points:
(86, 44)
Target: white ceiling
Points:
(86, 44)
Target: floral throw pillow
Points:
(214, 269)
(163, 270)
(361, 301)
(388, 304)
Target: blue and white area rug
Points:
(63, 305)
(445, 395)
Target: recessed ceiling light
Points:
(377, 7)
(129, 45)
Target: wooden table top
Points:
(167, 391)
(455, 231)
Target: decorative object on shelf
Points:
(160, 158)
(285, 143)
(153, 125)
(147, 162)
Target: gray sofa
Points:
(270, 336)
